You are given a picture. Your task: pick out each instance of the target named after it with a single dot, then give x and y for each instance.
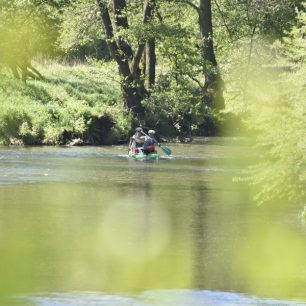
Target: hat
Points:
(151, 132)
(139, 129)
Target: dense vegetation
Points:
(183, 67)
(276, 106)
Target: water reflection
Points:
(199, 235)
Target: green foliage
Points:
(293, 46)
(81, 33)
(66, 102)
(244, 28)
(276, 106)
(178, 44)
(176, 108)
(278, 117)
(240, 19)
(26, 29)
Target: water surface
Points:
(88, 226)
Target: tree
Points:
(122, 51)
(213, 86)
(243, 33)
(150, 63)
(27, 28)
(212, 91)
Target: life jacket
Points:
(149, 142)
(149, 145)
(149, 148)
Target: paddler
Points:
(150, 142)
(137, 141)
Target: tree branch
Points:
(224, 21)
(159, 16)
(109, 33)
(148, 10)
(147, 15)
(121, 21)
(195, 80)
(120, 14)
(137, 59)
(188, 2)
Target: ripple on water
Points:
(56, 164)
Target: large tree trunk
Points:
(132, 97)
(128, 62)
(213, 86)
(122, 53)
(150, 63)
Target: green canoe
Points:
(143, 156)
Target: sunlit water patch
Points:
(153, 298)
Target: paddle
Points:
(130, 143)
(165, 149)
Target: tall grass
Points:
(39, 112)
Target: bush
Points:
(177, 110)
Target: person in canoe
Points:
(150, 142)
(137, 141)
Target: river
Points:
(88, 226)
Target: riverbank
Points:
(81, 104)
(72, 102)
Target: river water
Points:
(88, 226)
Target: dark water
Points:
(88, 226)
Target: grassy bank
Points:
(73, 102)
